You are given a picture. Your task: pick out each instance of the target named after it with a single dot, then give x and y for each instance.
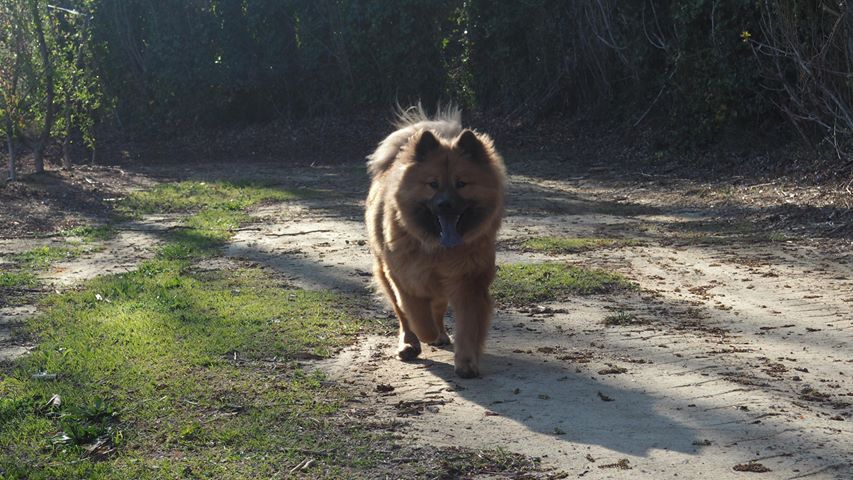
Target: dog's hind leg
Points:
(439, 307)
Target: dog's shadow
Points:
(555, 400)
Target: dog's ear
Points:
(425, 144)
(469, 144)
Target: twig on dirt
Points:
(303, 465)
(29, 290)
(820, 470)
(696, 384)
(723, 393)
(763, 437)
(296, 233)
(416, 407)
(771, 456)
(739, 420)
(318, 453)
(724, 407)
(678, 374)
(155, 230)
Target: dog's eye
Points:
(460, 184)
(434, 184)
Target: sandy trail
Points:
(741, 351)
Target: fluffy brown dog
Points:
(433, 212)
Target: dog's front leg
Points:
(472, 307)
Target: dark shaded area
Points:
(628, 423)
(61, 202)
(295, 79)
(803, 199)
(703, 69)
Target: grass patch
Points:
(621, 318)
(88, 233)
(777, 236)
(520, 284)
(205, 234)
(723, 233)
(42, 257)
(455, 462)
(17, 279)
(216, 208)
(169, 372)
(558, 245)
(190, 196)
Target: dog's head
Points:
(450, 192)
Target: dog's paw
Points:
(408, 352)
(443, 339)
(467, 369)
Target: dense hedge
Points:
(705, 63)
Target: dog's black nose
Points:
(444, 205)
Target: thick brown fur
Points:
(422, 162)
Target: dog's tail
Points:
(447, 124)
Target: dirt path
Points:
(739, 352)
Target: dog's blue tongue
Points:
(449, 235)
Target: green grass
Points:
(167, 372)
(17, 279)
(777, 236)
(520, 284)
(216, 209)
(455, 462)
(188, 196)
(557, 245)
(621, 318)
(206, 233)
(88, 233)
(42, 257)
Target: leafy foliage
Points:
(49, 82)
(704, 66)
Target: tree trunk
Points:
(10, 137)
(41, 143)
(66, 154)
(94, 146)
(66, 140)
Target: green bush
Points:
(702, 65)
